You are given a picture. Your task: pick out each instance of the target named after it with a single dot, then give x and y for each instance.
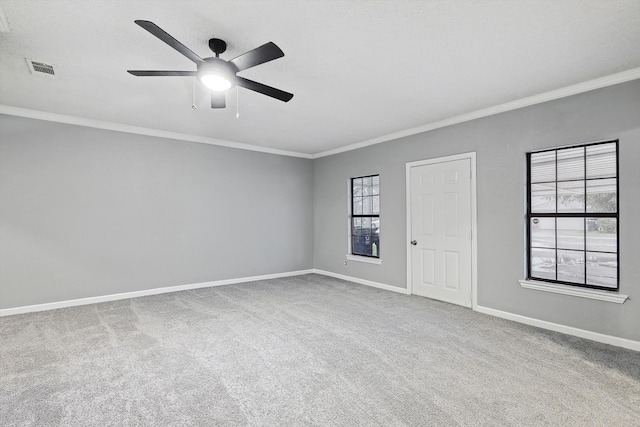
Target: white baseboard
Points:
(569, 330)
(361, 281)
(594, 336)
(135, 294)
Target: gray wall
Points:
(87, 212)
(500, 142)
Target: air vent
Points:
(41, 69)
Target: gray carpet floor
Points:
(304, 351)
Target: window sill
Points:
(364, 259)
(574, 291)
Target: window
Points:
(572, 215)
(365, 216)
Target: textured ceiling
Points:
(359, 69)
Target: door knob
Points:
(414, 242)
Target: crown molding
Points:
(118, 127)
(575, 89)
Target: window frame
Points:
(375, 259)
(584, 215)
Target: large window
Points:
(572, 215)
(365, 216)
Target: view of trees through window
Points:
(573, 215)
(365, 216)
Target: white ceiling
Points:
(359, 70)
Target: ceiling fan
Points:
(216, 73)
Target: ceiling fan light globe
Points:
(216, 82)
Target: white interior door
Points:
(440, 230)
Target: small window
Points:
(365, 216)
(572, 215)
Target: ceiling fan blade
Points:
(165, 37)
(264, 89)
(265, 53)
(218, 100)
(145, 73)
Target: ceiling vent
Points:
(42, 69)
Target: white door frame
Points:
(474, 220)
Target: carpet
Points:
(304, 351)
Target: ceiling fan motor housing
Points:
(218, 46)
(219, 67)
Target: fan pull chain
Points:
(237, 103)
(193, 105)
